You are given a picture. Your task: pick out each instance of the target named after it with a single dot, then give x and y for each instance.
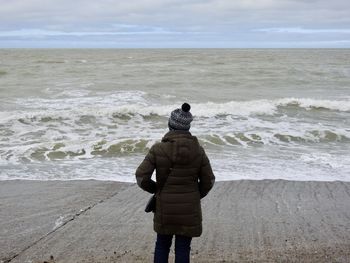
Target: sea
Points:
(78, 114)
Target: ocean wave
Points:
(267, 107)
(69, 150)
(251, 139)
(128, 122)
(239, 108)
(336, 105)
(125, 105)
(59, 148)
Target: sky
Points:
(175, 23)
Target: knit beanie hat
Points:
(180, 119)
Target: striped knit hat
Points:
(180, 119)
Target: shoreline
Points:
(243, 221)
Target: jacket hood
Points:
(176, 134)
(181, 147)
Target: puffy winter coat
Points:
(181, 162)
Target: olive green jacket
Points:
(182, 164)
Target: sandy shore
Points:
(244, 221)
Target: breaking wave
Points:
(336, 105)
(127, 123)
(71, 148)
(124, 106)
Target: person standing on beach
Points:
(183, 177)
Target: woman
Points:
(183, 177)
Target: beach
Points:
(243, 221)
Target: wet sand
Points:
(244, 221)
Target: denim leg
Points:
(182, 249)
(163, 244)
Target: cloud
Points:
(300, 30)
(49, 33)
(205, 22)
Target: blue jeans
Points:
(182, 248)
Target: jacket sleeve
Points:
(206, 177)
(144, 172)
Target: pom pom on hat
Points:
(186, 107)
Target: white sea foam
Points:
(235, 165)
(136, 103)
(114, 125)
(325, 159)
(238, 108)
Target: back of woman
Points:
(183, 177)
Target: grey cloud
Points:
(303, 30)
(180, 13)
(219, 21)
